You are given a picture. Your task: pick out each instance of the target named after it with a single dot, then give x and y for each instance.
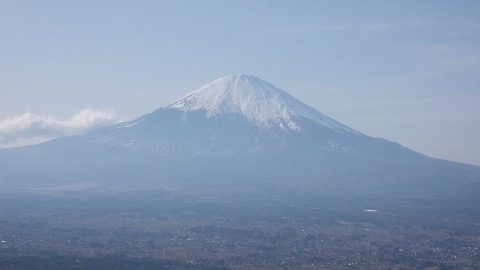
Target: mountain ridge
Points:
(185, 145)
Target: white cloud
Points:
(30, 128)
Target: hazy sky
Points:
(406, 71)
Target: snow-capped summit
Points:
(236, 131)
(260, 102)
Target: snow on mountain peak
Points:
(260, 102)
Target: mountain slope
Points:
(236, 131)
(230, 112)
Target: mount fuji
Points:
(237, 131)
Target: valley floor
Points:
(174, 230)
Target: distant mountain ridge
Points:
(236, 131)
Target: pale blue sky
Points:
(407, 71)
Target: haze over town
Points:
(239, 134)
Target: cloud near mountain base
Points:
(28, 128)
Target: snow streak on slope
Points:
(260, 102)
